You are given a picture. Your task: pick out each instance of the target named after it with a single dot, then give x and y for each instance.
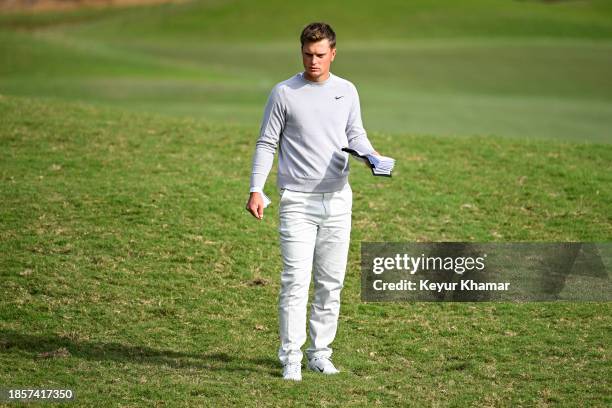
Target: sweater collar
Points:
(314, 82)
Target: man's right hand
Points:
(255, 205)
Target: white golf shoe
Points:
(322, 365)
(292, 371)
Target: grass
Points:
(125, 243)
(482, 67)
(132, 274)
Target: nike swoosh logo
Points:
(320, 369)
(338, 97)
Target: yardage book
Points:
(380, 165)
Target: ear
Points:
(333, 53)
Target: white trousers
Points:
(314, 234)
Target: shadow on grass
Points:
(57, 347)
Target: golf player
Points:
(310, 117)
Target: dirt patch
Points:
(60, 5)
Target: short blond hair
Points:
(314, 32)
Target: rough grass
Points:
(132, 274)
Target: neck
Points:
(319, 79)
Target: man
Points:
(310, 117)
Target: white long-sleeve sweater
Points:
(310, 122)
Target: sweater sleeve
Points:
(269, 134)
(355, 133)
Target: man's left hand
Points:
(375, 153)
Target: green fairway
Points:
(522, 69)
(132, 274)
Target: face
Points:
(317, 58)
